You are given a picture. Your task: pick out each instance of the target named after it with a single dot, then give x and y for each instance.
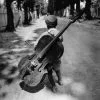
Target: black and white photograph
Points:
(49, 49)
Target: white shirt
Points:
(52, 31)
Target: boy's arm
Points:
(61, 38)
(36, 42)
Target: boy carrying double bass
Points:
(51, 22)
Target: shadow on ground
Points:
(40, 30)
(12, 48)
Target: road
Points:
(80, 63)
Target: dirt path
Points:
(81, 59)
(80, 63)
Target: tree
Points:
(10, 17)
(39, 4)
(88, 11)
(28, 6)
(55, 5)
(72, 3)
(51, 6)
(44, 7)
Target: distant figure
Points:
(67, 12)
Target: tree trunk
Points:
(27, 8)
(26, 22)
(88, 11)
(72, 8)
(78, 6)
(51, 6)
(10, 17)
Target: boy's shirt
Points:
(52, 31)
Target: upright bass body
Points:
(33, 68)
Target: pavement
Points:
(28, 32)
(80, 62)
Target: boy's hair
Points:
(51, 21)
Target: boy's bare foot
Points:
(60, 82)
(54, 89)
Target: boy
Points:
(51, 22)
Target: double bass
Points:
(32, 67)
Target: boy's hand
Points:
(61, 38)
(28, 44)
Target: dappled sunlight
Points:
(40, 23)
(40, 30)
(1, 2)
(44, 95)
(12, 49)
(70, 90)
(78, 88)
(67, 80)
(24, 31)
(73, 87)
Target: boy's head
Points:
(51, 21)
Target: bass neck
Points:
(44, 51)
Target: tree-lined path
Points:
(80, 62)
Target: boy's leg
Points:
(50, 77)
(56, 67)
(58, 73)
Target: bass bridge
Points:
(35, 65)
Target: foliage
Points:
(42, 6)
(61, 4)
(26, 3)
(55, 5)
(39, 2)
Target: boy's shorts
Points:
(55, 66)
